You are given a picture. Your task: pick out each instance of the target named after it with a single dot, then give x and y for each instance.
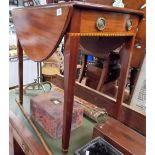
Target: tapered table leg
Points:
(70, 62)
(126, 54)
(104, 73)
(20, 71)
(83, 68)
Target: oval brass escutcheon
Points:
(129, 24)
(100, 23)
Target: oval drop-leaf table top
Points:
(40, 29)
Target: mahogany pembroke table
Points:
(97, 28)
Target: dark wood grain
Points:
(20, 71)
(22, 136)
(122, 137)
(100, 46)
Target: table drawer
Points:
(110, 22)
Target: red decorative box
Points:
(47, 110)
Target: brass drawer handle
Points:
(100, 23)
(129, 24)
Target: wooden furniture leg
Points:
(20, 71)
(126, 54)
(133, 76)
(103, 74)
(83, 69)
(70, 61)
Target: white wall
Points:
(29, 71)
